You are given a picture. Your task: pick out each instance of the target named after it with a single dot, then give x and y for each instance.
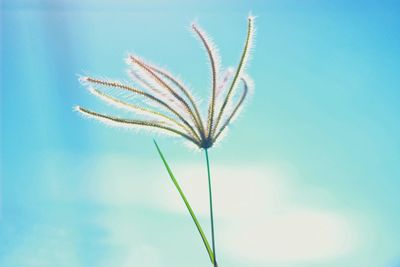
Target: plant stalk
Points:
(203, 236)
(211, 208)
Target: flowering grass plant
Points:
(162, 102)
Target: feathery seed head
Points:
(165, 103)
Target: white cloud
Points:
(258, 220)
(293, 236)
(236, 190)
(143, 255)
(257, 217)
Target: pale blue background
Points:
(326, 102)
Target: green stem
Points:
(201, 232)
(211, 208)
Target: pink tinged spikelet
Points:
(144, 81)
(151, 88)
(235, 109)
(215, 62)
(153, 73)
(223, 81)
(192, 105)
(223, 86)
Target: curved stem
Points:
(211, 208)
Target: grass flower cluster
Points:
(162, 102)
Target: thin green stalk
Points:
(196, 222)
(211, 208)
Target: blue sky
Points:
(307, 177)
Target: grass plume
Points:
(166, 97)
(164, 103)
